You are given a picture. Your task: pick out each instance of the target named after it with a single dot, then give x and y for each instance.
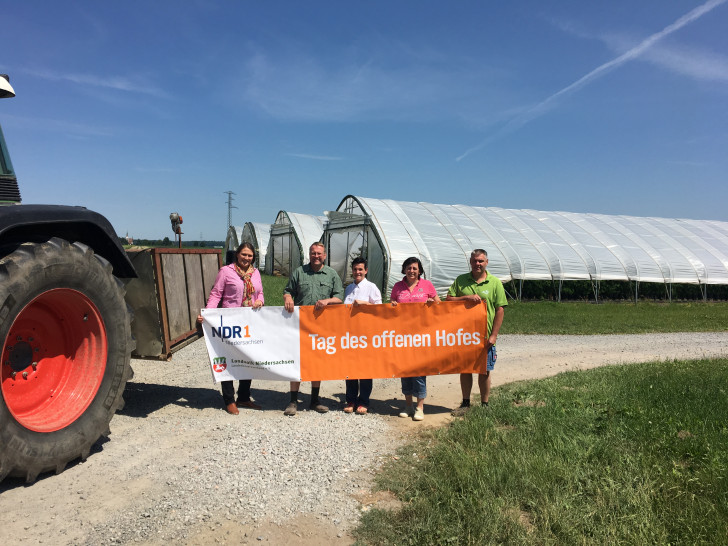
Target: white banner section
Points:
(246, 343)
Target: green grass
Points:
(614, 318)
(586, 318)
(622, 454)
(273, 289)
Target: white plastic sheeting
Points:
(232, 241)
(524, 244)
(258, 235)
(290, 238)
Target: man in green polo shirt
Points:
(480, 285)
(318, 285)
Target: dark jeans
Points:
(228, 391)
(358, 391)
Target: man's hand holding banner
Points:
(345, 341)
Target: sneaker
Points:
(484, 404)
(349, 408)
(419, 415)
(318, 407)
(409, 411)
(291, 409)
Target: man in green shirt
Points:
(318, 285)
(479, 285)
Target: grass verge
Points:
(632, 454)
(273, 289)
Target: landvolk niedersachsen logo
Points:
(219, 364)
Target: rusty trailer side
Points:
(172, 286)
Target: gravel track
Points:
(178, 468)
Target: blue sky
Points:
(137, 109)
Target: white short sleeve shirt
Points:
(364, 291)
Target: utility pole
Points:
(230, 209)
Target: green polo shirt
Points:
(307, 286)
(491, 290)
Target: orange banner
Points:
(378, 341)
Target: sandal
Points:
(361, 410)
(349, 408)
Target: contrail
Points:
(542, 107)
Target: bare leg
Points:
(420, 403)
(484, 385)
(296, 385)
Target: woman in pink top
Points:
(237, 285)
(413, 289)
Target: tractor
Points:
(64, 326)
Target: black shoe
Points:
(461, 410)
(291, 409)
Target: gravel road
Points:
(178, 468)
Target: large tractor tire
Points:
(66, 345)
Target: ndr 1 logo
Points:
(230, 332)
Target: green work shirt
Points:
(491, 290)
(307, 286)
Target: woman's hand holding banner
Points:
(345, 341)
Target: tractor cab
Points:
(9, 191)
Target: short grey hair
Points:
(478, 252)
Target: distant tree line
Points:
(171, 243)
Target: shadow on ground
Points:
(142, 399)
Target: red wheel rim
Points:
(53, 360)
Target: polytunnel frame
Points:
(261, 251)
(235, 235)
(476, 216)
(298, 229)
(339, 221)
(279, 229)
(658, 240)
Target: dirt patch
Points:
(383, 500)
(529, 403)
(305, 530)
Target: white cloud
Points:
(400, 86)
(693, 62)
(635, 52)
(318, 157)
(118, 83)
(71, 129)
